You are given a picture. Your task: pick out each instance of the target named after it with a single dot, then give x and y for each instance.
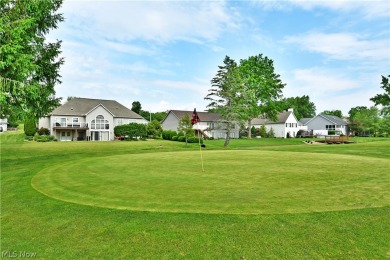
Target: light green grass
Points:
(234, 182)
(55, 229)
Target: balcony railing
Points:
(70, 125)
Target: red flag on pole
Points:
(195, 117)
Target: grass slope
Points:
(33, 222)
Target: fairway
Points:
(234, 182)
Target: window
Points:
(100, 123)
(61, 121)
(75, 121)
(120, 122)
(330, 127)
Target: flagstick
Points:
(200, 148)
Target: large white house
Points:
(88, 119)
(285, 126)
(209, 125)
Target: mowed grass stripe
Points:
(235, 182)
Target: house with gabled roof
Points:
(88, 119)
(321, 123)
(209, 126)
(286, 124)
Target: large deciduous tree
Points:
(262, 88)
(303, 107)
(242, 92)
(336, 112)
(29, 65)
(383, 99)
(363, 119)
(136, 107)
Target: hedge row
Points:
(179, 136)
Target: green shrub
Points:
(271, 133)
(194, 140)
(168, 134)
(132, 130)
(174, 138)
(181, 133)
(181, 139)
(43, 131)
(253, 130)
(211, 138)
(30, 126)
(154, 129)
(29, 138)
(43, 138)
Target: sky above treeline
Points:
(165, 53)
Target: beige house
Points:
(88, 119)
(209, 125)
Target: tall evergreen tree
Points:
(383, 99)
(225, 96)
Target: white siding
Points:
(100, 134)
(3, 124)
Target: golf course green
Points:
(234, 182)
(265, 198)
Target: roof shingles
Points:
(82, 106)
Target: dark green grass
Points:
(33, 222)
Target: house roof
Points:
(203, 116)
(83, 106)
(305, 120)
(281, 119)
(334, 119)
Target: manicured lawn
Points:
(269, 198)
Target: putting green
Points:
(234, 182)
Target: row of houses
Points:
(95, 120)
(286, 124)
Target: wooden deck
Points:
(332, 139)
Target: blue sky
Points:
(164, 53)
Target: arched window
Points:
(100, 123)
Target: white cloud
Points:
(331, 89)
(317, 81)
(193, 88)
(342, 46)
(157, 21)
(367, 9)
(125, 48)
